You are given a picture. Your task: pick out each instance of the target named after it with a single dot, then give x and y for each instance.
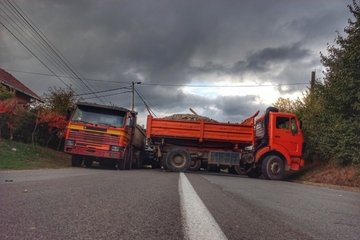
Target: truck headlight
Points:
(115, 148)
(69, 142)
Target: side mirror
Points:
(132, 122)
(300, 124)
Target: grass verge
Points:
(18, 156)
(328, 174)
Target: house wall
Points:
(23, 100)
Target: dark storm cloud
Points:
(260, 61)
(238, 108)
(316, 27)
(221, 108)
(263, 60)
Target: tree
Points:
(339, 130)
(6, 92)
(7, 108)
(59, 99)
(55, 122)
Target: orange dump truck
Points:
(267, 146)
(104, 134)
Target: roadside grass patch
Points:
(19, 156)
(328, 173)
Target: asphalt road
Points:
(80, 203)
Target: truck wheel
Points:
(195, 165)
(163, 163)
(88, 163)
(76, 160)
(238, 170)
(273, 168)
(121, 164)
(178, 160)
(129, 159)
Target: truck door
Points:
(286, 134)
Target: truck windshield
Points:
(101, 116)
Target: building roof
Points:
(9, 80)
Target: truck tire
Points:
(122, 162)
(163, 163)
(195, 165)
(238, 170)
(129, 159)
(76, 160)
(88, 163)
(178, 160)
(235, 170)
(273, 168)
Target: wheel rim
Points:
(178, 160)
(275, 168)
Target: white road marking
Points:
(198, 223)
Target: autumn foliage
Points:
(55, 122)
(7, 109)
(53, 119)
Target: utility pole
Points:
(312, 81)
(132, 94)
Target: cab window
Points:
(283, 123)
(294, 127)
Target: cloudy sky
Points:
(223, 59)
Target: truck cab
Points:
(100, 133)
(279, 143)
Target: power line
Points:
(29, 39)
(42, 50)
(57, 59)
(142, 98)
(52, 47)
(113, 94)
(170, 85)
(114, 89)
(34, 55)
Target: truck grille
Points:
(92, 137)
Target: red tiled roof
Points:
(9, 80)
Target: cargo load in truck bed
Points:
(201, 133)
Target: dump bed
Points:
(200, 132)
(139, 138)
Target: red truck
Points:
(267, 146)
(104, 134)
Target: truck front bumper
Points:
(94, 152)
